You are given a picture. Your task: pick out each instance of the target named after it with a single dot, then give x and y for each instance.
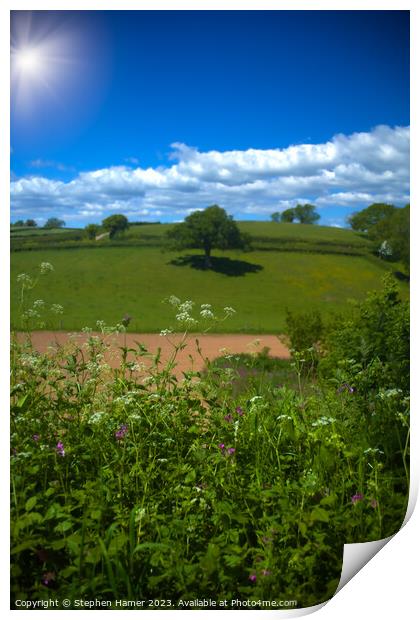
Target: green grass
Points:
(106, 282)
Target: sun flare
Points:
(29, 60)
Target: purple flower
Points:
(253, 578)
(35, 437)
(229, 417)
(347, 387)
(357, 498)
(239, 411)
(60, 449)
(231, 450)
(221, 446)
(121, 432)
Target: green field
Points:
(290, 266)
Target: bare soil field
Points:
(211, 345)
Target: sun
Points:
(29, 60)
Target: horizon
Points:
(140, 113)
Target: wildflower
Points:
(35, 437)
(48, 579)
(347, 387)
(265, 572)
(165, 332)
(60, 449)
(229, 311)
(253, 578)
(57, 309)
(239, 411)
(174, 301)
(357, 498)
(121, 432)
(229, 417)
(221, 446)
(231, 450)
(45, 268)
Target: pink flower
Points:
(253, 578)
(357, 498)
(60, 449)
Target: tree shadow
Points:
(403, 277)
(219, 264)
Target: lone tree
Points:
(275, 217)
(54, 222)
(208, 229)
(306, 214)
(115, 224)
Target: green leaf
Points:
(319, 514)
(30, 503)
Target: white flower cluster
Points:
(25, 280)
(323, 421)
(57, 309)
(166, 332)
(184, 315)
(391, 393)
(206, 312)
(229, 311)
(96, 417)
(45, 268)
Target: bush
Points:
(304, 330)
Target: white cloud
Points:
(347, 171)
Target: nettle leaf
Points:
(64, 526)
(319, 514)
(31, 503)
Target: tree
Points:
(31, 223)
(208, 229)
(115, 224)
(19, 223)
(92, 230)
(288, 215)
(394, 231)
(54, 222)
(364, 220)
(306, 214)
(275, 217)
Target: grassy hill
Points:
(290, 266)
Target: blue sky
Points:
(157, 113)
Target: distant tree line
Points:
(304, 214)
(52, 222)
(389, 227)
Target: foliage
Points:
(306, 214)
(304, 330)
(365, 219)
(394, 230)
(54, 222)
(208, 229)
(128, 484)
(288, 215)
(115, 224)
(92, 230)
